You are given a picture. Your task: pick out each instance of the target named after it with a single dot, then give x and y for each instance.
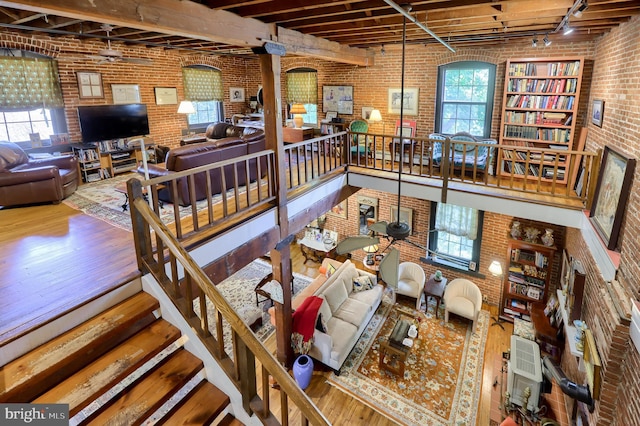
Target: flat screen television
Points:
(105, 122)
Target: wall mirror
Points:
(368, 212)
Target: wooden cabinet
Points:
(296, 134)
(90, 163)
(539, 110)
(526, 281)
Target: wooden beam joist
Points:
(190, 19)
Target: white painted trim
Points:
(68, 321)
(214, 372)
(598, 250)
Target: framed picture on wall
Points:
(125, 93)
(236, 94)
(89, 85)
(612, 192)
(410, 104)
(166, 95)
(597, 113)
(406, 216)
(339, 210)
(337, 98)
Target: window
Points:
(31, 98)
(465, 98)
(203, 87)
(302, 88)
(455, 235)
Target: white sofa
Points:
(345, 313)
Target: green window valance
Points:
(202, 84)
(29, 83)
(302, 87)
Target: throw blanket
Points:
(304, 321)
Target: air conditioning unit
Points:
(525, 371)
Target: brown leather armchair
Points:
(28, 181)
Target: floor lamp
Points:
(376, 117)
(496, 270)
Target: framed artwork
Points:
(166, 95)
(90, 85)
(612, 192)
(236, 94)
(331, 115)
(337, 98)
(366, 112)
(410, 103)
(368, 213)
(407, 130)
(60, 139)
(597, 113)
(125, 93)
(591, 363)
(406, 216)
(339, 210)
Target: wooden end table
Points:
(395, 352)
(435, 289)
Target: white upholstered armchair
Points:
(462, 297)
(411, 278)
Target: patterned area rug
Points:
(238, 289)
(102, 201)
(443, 373)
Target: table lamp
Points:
(297, 110)
(186, 108)
(370, 250)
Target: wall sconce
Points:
(297, 110)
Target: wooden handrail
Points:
(142, 214)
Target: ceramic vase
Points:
(303, 370)
(547, 238)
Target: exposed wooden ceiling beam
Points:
(189, 19)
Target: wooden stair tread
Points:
(92, 381)
(200, 407)
(33, 373)
(230, 420)
(143, 397)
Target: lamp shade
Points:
(186, 107)
(298, 109)
(375, 116)
(371, 249)
(495, 268)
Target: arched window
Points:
(302, 88)
(465, 98)
(203, 87)
(31, 100)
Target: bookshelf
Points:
(539, 111)
(526, 281)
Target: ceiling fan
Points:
(110, 55)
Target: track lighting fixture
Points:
(382, 51)
(546, 40)
(567, 29)
(534, 42)
(583, 6)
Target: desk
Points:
(435, 289)
(296, 134)
(315, 250)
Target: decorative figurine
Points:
(531, 234)
(516, 232)
(547, 238)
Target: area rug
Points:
(102, 201)
(443, 373)
(238, 289)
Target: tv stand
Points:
(106, 159)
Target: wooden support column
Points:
(280, 257)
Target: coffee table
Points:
(435, 289)
(392, 350)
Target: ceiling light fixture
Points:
(534, 42)
(546, 40)
(583, 6)
(382, 51)
(567, 29)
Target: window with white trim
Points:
(455, 234)
(464, 101)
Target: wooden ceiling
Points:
(366, 25)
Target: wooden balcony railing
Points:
(185, 282)
(524, 170)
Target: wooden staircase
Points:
(120, 367)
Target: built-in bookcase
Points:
(539, 111)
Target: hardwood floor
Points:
(54, 258)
